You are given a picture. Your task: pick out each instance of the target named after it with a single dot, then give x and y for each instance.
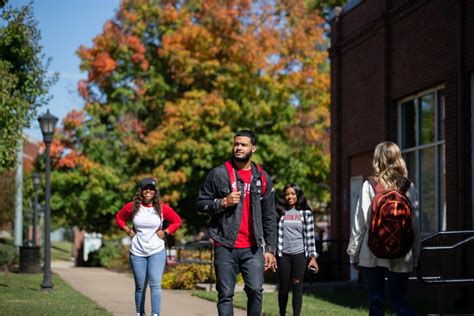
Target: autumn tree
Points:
(325, 7)
(24, 82)
(169, 83)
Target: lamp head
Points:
(47, 123)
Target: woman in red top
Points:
(147, 249)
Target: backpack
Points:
(390, 232)
(233, 178)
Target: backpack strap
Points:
(263, 178)
(377, 186)
(233, 177)
(406, 186)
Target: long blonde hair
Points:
(389, 166)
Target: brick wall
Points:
(469, 35)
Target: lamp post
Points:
(48, 124)
(36, 182)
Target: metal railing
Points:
(198, 246)
(440, 280)
(332, 257)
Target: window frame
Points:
(440, 218)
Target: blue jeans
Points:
(148, 269)
(227, 263)
(398, 285)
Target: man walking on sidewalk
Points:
(239, 196)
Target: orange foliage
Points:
(177, 177)
(83, 90)
(170, 14)
(171, 197)
(128, 16)
(73, 120)
(139, 55)
(199, 69)
(132, 125)
(103, 64)
(69, 161)
(56, 149)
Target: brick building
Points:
(403, 70)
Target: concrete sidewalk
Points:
(115, 292)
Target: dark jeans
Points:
(227, 263)
(291, 270)
(398, 285)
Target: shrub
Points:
(108, 252)
(8, 255)
(186, 276)
(120, 263)
(111, 255)
(93, 259)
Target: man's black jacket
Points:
(224, 223)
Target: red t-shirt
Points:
(246, 236)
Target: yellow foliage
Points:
(186, 276)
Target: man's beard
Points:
(246, 158)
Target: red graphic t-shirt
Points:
(246, 236)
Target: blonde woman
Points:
(390, 172)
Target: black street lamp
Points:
(48, 124)
(36, 182)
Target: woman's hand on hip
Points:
(162, 233)
(130, 232)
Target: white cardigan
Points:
(358, 248)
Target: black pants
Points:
(291, 270)
(398, 285)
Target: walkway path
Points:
(114, 291)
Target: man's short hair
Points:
(249, 134)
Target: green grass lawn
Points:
(340, 302)
(61, 250)
(20, 294)
(312, 304)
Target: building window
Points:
(422, 140)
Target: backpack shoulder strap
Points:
(232, 177)
(377, 186)
(263, 177)
(406, 186)
(372, 182)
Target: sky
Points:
(65, 25)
